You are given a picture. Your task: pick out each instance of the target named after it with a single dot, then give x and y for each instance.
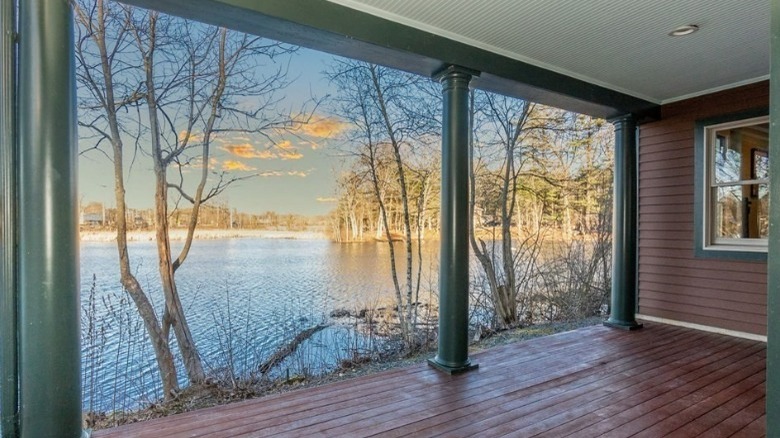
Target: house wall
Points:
(673, 283)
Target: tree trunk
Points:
(160, 345)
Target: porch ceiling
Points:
(605, 58)
(622, 45)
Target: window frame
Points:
(705, 244)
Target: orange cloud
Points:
(229, 165)
(299, 173)
(325, 127)
(321, 199)
(192, 137)
(285, 145)
(246, 150)
(290, 155)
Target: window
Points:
(736, 185)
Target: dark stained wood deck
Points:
(592, 382)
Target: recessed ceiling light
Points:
(684, 30)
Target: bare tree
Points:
(505, 130)
(173, 85)
(392, 113)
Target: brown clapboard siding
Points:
(673, 283)
(694, 291)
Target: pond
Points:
(243, 299)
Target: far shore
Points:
(203, 234)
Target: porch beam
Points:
(48, 265)
(773, 257)
(624, 226)
(330, 27)
(452, 355)
(9, 385)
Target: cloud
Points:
(192, 137)
(229, 165)
(246, 150)
(313, 145)
(325, 127)
(274, 173)
(322, 199)
(285, 145)
(197, 163)
(290, 155)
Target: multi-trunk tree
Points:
(163, 88)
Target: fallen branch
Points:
(289, 348)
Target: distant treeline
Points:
(96, 215)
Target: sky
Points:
(296, 175)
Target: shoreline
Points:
(205, 234)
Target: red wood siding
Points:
(673, 283)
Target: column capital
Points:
(623, 120)
(451, 71)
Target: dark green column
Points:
(452, 356)
(624, 227)
(9, 385)
(48, 276)
(773, 258)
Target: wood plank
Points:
(526, 419)
(709, 422)
(672, 181)
(682, 210)
(713, 303)
(585, 412)
(674, 158)
(675, 415)
(574, 382)
(730, 276)
(657, 380)
(753, 269)
(646, 285)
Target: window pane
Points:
(761, 206)
(741, 211)
(728, 158)
(741, 153)
(727, 215)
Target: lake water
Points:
(243, 299)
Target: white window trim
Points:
(710, 242)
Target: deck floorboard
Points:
(595, 381)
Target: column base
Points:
(629, 326)
(469, 366)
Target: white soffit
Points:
(619, 44)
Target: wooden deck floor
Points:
(592, 382)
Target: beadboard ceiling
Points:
(622, 45)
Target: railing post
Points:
(9, 385)
(48, 266)
(452, 355)
(624, 227)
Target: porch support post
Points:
(624, 224)
(48, 266)
(773, 258)
(452, 355)
(9, 385)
